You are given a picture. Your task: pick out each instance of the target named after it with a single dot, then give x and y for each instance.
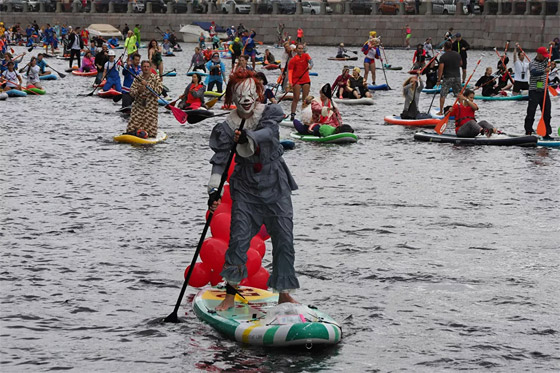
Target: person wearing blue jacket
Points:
(216, 73)
(131, 69)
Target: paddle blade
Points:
(541, 127)
(442, 125)
(552, 91)
(212, 102)
(172, 318)
(179, 114)
(62, 76)
(199, 115)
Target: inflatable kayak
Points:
(271, 66)
(378, 87)
(213, 93)
(502, 98)
(15, 93)
(496, 140)
(108, 94)
(342, 58)
(84, 73)
(201, 73)
(339, 138)
(3, 96)
(48, 77)
(259, 320)
(34, 91)
(130, 139)
(354, 101)
(394, 119)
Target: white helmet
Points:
(111, 53)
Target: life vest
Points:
(216, 69)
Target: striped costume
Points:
(144, 114)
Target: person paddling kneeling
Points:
(465, 122)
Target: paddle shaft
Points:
(173, 316)
(502, 58)
(107, 73)
(443, 123)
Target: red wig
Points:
(237, 77)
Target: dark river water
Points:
(433, 257)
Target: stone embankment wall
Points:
(481, 31)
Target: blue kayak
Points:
(48, 77)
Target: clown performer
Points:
(260, 186)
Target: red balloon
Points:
(215, 278)
(263, 233)
(199, 277)
(259, 279)
(258, 244)
(231, 168)
(254, 262)
(226, 196)
(220, 225)
(212, 253)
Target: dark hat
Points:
(457, 34)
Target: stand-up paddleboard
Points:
(378, 87)
(427, 122)
(554, 143)
(201, 73)
(135, 140)
(390, 67)
(271, 66)
(34, 91)
(354, 101)
(109, 93)
(502, 98)
(84, 73)
(48, 77)
(338, 138)
(342, 58)
(170, 73)
(259, 320)
(495, 140)
(15, 93)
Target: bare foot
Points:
(227, 303)
(285, 298)
(439, 113)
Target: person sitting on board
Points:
(341, 87)
(412, 87)
(9, 58)
(357, 85)
(504, 79)
(113, 42)
(268, 95)
(32, 74)
(193, 97)
(431, 73)
(465, 122)
(341, 52)
(42, 65)
(167, 47)
(268, 57)
(111, 74)
(144, 114)
(208, 52)
(88, 63)
(11, 78)
(419, 58)
(260, 185)
(488, 83)
(131, 69)
(242, 63)
(319, 116)
(216, 73)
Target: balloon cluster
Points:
(213, 250)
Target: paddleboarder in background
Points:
(130, 43)
(76, 45)
(235, 47)
(521, 68)
(100, 59)
(449, 74)
(132, 66)
(371, 50)
(461, 46)
(341, 52)
(298, 74)
(144, 114)
(198, 60)
(136, 31)
(408, 36)
(260, 186)
(538, 69)
(216, 73)
(111, 73)
(299, 38)
(193, 97)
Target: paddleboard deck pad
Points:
(130, 139)
(260, 321)
(496, 140)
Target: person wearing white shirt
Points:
(521, 71)
(32, 74)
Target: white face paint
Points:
(245, 97)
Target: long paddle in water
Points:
(551, 90)
(173, 315)
(442, 124)
(179, 114)
(383, 66)
(541, 127)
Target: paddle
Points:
(306, 70)
(502, 58)
(442, 124)
(541, 127)
(99, 85)
(173, 315)
(62, 76)
(550, 89)
(210, 104)
(179, 114)
(195, 116)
